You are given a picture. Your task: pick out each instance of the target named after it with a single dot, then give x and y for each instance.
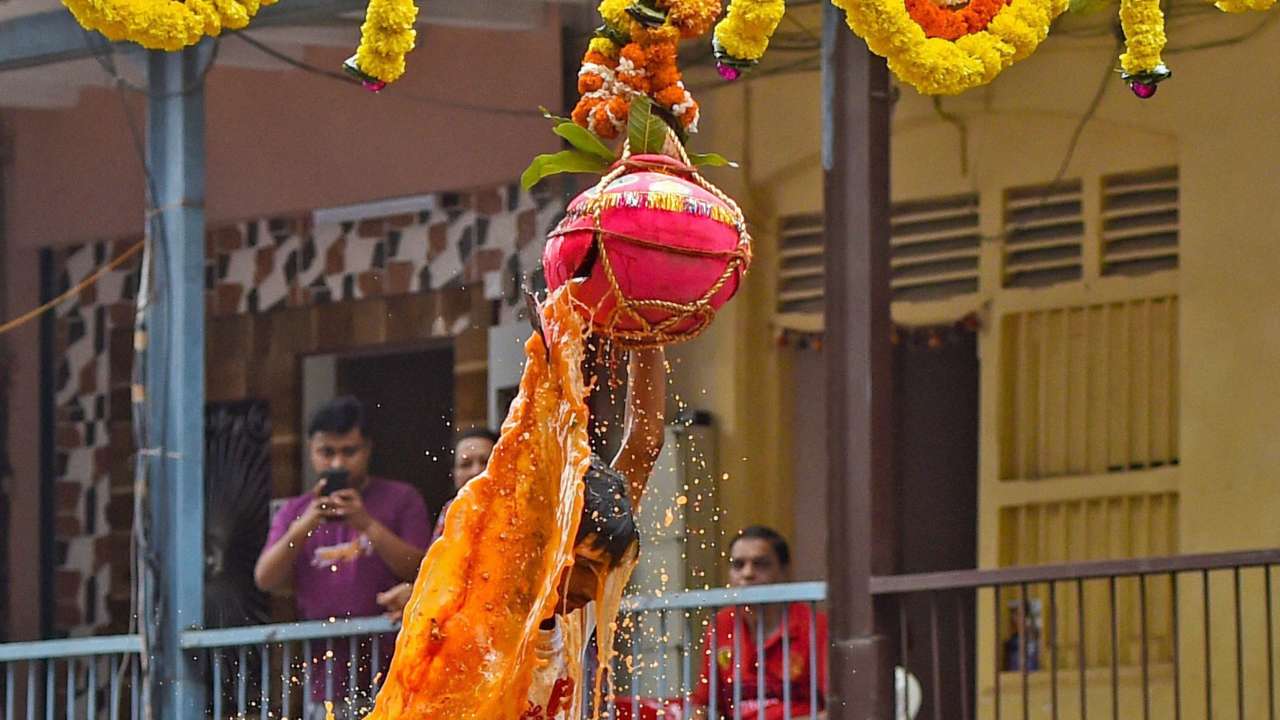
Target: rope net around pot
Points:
(715, 252)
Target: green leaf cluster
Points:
(646, 132)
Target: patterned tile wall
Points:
(492, 236)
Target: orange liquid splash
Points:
(465, 651)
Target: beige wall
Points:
(277, 142)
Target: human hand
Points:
(349, 506)
(317, 511)
(395, 600)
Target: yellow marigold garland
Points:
(743, 36)
(615, 15)
(385, 38)
(935, 66)
(163, 24)
(1143, 25)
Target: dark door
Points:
(936, 461)
(408, 397)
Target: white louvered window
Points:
(800, 275)
(935, 245)
(1043, 235)
(1140, 222)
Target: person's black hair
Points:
(339, 416)
(769, 535)
(476, 432)
(607, 523)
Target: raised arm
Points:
(645, 419)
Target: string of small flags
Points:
(931, 337)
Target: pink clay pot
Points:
(673, 252)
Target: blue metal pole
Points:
(175, 377)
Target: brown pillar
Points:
(862, 537)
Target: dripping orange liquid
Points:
(465, 651)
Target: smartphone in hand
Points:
(335, 480)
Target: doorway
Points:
(408, 395)
(936, 466)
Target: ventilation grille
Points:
(800, 277)
(1140, 222)
(934, 247)
(1043, 232)
(1090, 389)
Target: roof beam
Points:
(54, 36)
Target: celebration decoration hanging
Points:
(944, 47)
(1143, 25)
(743, 36)
(634, 54)
(386, 36)
(163, 24)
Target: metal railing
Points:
(667, 640)
(291, 670)
(274, 671)
(48, 675)
(1179, 637)
(1176, 637)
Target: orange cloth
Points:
(466, 651)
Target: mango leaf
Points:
(565, 161)
(585, 140)
(647, 13)
(646, 131)
(552, 116)
(711, 160)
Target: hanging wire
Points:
(344, 79)
(79, 287)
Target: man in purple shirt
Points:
(350, 538)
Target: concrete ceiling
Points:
(39, 71)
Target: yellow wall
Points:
(1214, 120)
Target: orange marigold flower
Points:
(664, 78)
(671, 95)
(599, 59)
(692, 17)
(608, 116)
(581, 111)
(661, 34)
(638, 83)
(600, 125)
(635, 54)
(661, 54)
(619, 106)
(589, 82)
(690, 116)
(941, 22)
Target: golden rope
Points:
(80, 286)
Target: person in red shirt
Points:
(760, 556)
